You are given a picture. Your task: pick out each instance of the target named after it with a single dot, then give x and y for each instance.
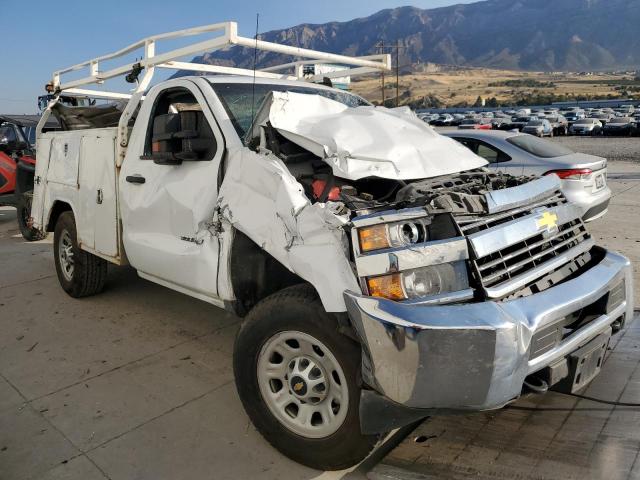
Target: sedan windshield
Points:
(241, 101)
(538, 147)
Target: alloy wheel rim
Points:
(65, 255)
(302, 384)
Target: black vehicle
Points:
(621, 126)
(443, 121)
(17, 170)
(559, 124)
(520, 122)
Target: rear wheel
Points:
(299, 380)
(80, 273)
(23, 208)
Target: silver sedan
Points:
(584, 177)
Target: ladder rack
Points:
(225, 34)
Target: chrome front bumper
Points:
(476, 356)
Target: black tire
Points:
(298, 308)
(89, 272)
(23, 208)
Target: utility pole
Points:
(382, 71)
(397, 73)
(382, 49)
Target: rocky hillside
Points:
(543, 35)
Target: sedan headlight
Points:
(390, 235)
(420, 282)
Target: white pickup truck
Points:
(382, 272)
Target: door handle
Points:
(135, 179)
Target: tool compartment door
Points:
(40, 182)
(98, 222)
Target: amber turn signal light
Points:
(373, 238)
(387, 286)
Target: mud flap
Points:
(379, 415)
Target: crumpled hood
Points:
(365, 141)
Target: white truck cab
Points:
(382, 272)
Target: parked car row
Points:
(622, 121)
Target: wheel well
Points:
(58, 209)
(255, 274)
(24, 177)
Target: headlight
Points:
(420, 282)
(389, 235)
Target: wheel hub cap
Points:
(307, 380)
(302, 384)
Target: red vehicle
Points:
(476, 124)
(17, 169)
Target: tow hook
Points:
(536, 384)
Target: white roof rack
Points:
(226, 34)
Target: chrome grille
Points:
(512, 265)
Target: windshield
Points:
(538, 147)
(535, 123)
(237, 99)
(586, 121)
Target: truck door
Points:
(167, 206)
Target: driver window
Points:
(178, 130)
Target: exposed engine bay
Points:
(460, 193)
(455, 205)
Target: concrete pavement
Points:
(136, 383)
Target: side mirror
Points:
(178, 137)
(7, 145)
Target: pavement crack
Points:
(24, 282)
(172, 409)
(119, 367)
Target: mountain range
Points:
(540, 35)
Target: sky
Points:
(42, 36)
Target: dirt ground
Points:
(454, 86)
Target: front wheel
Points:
(23, 208)
(80, 273)
(299, 380)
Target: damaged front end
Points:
(536, 289)
(459, 286)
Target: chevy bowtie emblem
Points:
(548, 221)
(298, 386)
